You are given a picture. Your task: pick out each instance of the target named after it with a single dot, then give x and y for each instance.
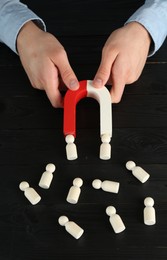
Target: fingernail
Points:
(73, 84)
(98, 82)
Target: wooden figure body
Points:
(47, 176)
(109, 186)
(115, 220)
(71, 227)
(149, 212)
(29, 193)
(75, 190)
(137, 171)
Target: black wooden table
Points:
(31, 135)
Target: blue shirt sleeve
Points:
(13, 15)
(153, 16)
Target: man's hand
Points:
(123, 58)
(45, 62)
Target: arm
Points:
(153, 16)
(126, 50)
(13, 16)
(43, 57)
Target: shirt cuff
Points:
(12, 20)
(156, 27)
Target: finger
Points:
(67, 74)
(118, 85)
(104, 70)
(54, 97)
(52, 91)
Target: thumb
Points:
(104, 70)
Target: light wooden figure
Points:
(109, 186)
(71, 227)
(47, 176)
(71, 150)
(105, 147)
(115, 220)
(29, 193)
(74, 191)
(137, 171)
(149, 212)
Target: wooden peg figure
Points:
(29, 193)
(115, 220)
(71, 227)
(105, 147)
(47, 176)
(109, 186)
(71, 150)
(137, 171)
(74, 191)
(149, 212)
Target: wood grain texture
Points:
(31, 136)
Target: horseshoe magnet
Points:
(102, 95)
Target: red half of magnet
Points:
(71, 99)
